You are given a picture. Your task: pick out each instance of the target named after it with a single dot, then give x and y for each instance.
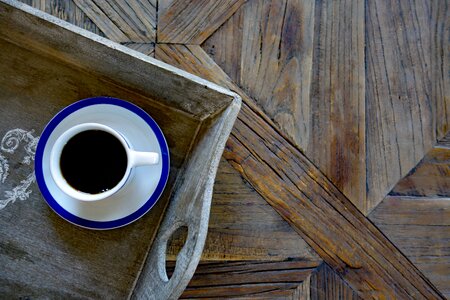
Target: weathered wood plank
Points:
(248, 279)
(163, 4)
(192, 22)
(440, 62)
(300, 193)
(420, 228)
(431, 177)
(337, 130)
(266, 47)
(224, 46)
(67, 11)
(324, 283)
(321, 213)
(146, 48)
(101, 19)
(416, 216)
(243, 226)
(123, 21)
(290, 56)
(399, 115)
(194, 58)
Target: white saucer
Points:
(146, 183)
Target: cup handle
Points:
(143, 158)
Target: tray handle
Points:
(190, 206)
(153, 282)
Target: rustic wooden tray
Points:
(47, 64)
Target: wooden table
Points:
(335, 182)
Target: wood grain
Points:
(337, 129)
(300, 193)
(324, 283)
(243, 226)
(248, 279)
(322, 214)
(123, 21)
(290, 56)
(192, 22)
(430, 178)
(399, 115)
(440, 62)
(416, 216)
(67, 11)
(420, 228)
(224, 46)
(266, 47)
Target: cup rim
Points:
(55, 156)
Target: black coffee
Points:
(93, 161)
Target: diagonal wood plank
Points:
(303, 63)
(192, 22)
(312, 205)
(123, 21)
(225, 44)
(430, 178)
(324, 283)
(70, 12)
(399, 113)
(67, 11)
(250, 251)
(300, 193)
(243, 226)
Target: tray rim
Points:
(124, 50)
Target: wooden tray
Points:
(47, 64)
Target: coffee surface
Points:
(93, 161)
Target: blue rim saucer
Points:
(139, 199)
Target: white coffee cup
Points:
(134, 159)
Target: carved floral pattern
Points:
(9, 144)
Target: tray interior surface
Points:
(33, 89)
(40, 252)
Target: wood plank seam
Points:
(193, 22)
(399, 108)
(99, 17)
